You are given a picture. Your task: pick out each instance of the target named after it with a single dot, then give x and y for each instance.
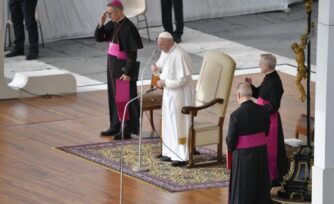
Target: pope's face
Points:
(164, 44)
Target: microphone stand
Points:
(139, 167)
(122, 145)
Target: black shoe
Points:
(179, 163)
(14, 53)
(118, 136)
(177, 39)
(109, 132)
(32, 56)
(165, 158)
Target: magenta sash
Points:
(253, 140)
(244, 142)
(272, 140)
(122, 97)
(114, 50)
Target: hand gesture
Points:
(125, 77)
(155, 70)
(248, 80)
(103, 18)
(161, 84)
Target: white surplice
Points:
(178, 91)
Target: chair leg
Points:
(219, 153)
(41, 32)
(148, 32)
(191, 148)
(5, 42)
(9, 37)
(7, 33)
(137, 18)
(151, 120)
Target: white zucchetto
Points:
(165, 35)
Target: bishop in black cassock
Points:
(269, 94)
(123, 42)
(246, 139)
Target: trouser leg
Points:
(17, 20)
(29, 10)
(113, 115)
(178, 12)
(166, 14)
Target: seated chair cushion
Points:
(152, 100)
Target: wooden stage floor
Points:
(32, 172)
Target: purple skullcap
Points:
(116, 3)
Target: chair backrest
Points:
(215, 81)
(134, 8)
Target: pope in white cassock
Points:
(175, 68)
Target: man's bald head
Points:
(244, 91)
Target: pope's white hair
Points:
(166, 35)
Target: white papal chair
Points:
(137, 8)
(212, 95)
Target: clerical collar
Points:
(120, 19)
(271, 72)
(247, 101)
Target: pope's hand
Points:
(154, 68)
(161, 83)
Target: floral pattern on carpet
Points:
(160, 174)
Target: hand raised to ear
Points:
(103, 18)
(248, 80)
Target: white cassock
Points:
(178, 91)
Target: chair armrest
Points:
(194, 109)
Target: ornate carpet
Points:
(160, 174)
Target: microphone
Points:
(139, 167)
(153, 55)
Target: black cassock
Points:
(249, 178)
(271, 90)
(125, 34)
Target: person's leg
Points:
(166, 15)
(178, 12)
(131, 126)
(113, 113)
(113, 116)
(134, 109)
(29, 10)
(17, 20)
